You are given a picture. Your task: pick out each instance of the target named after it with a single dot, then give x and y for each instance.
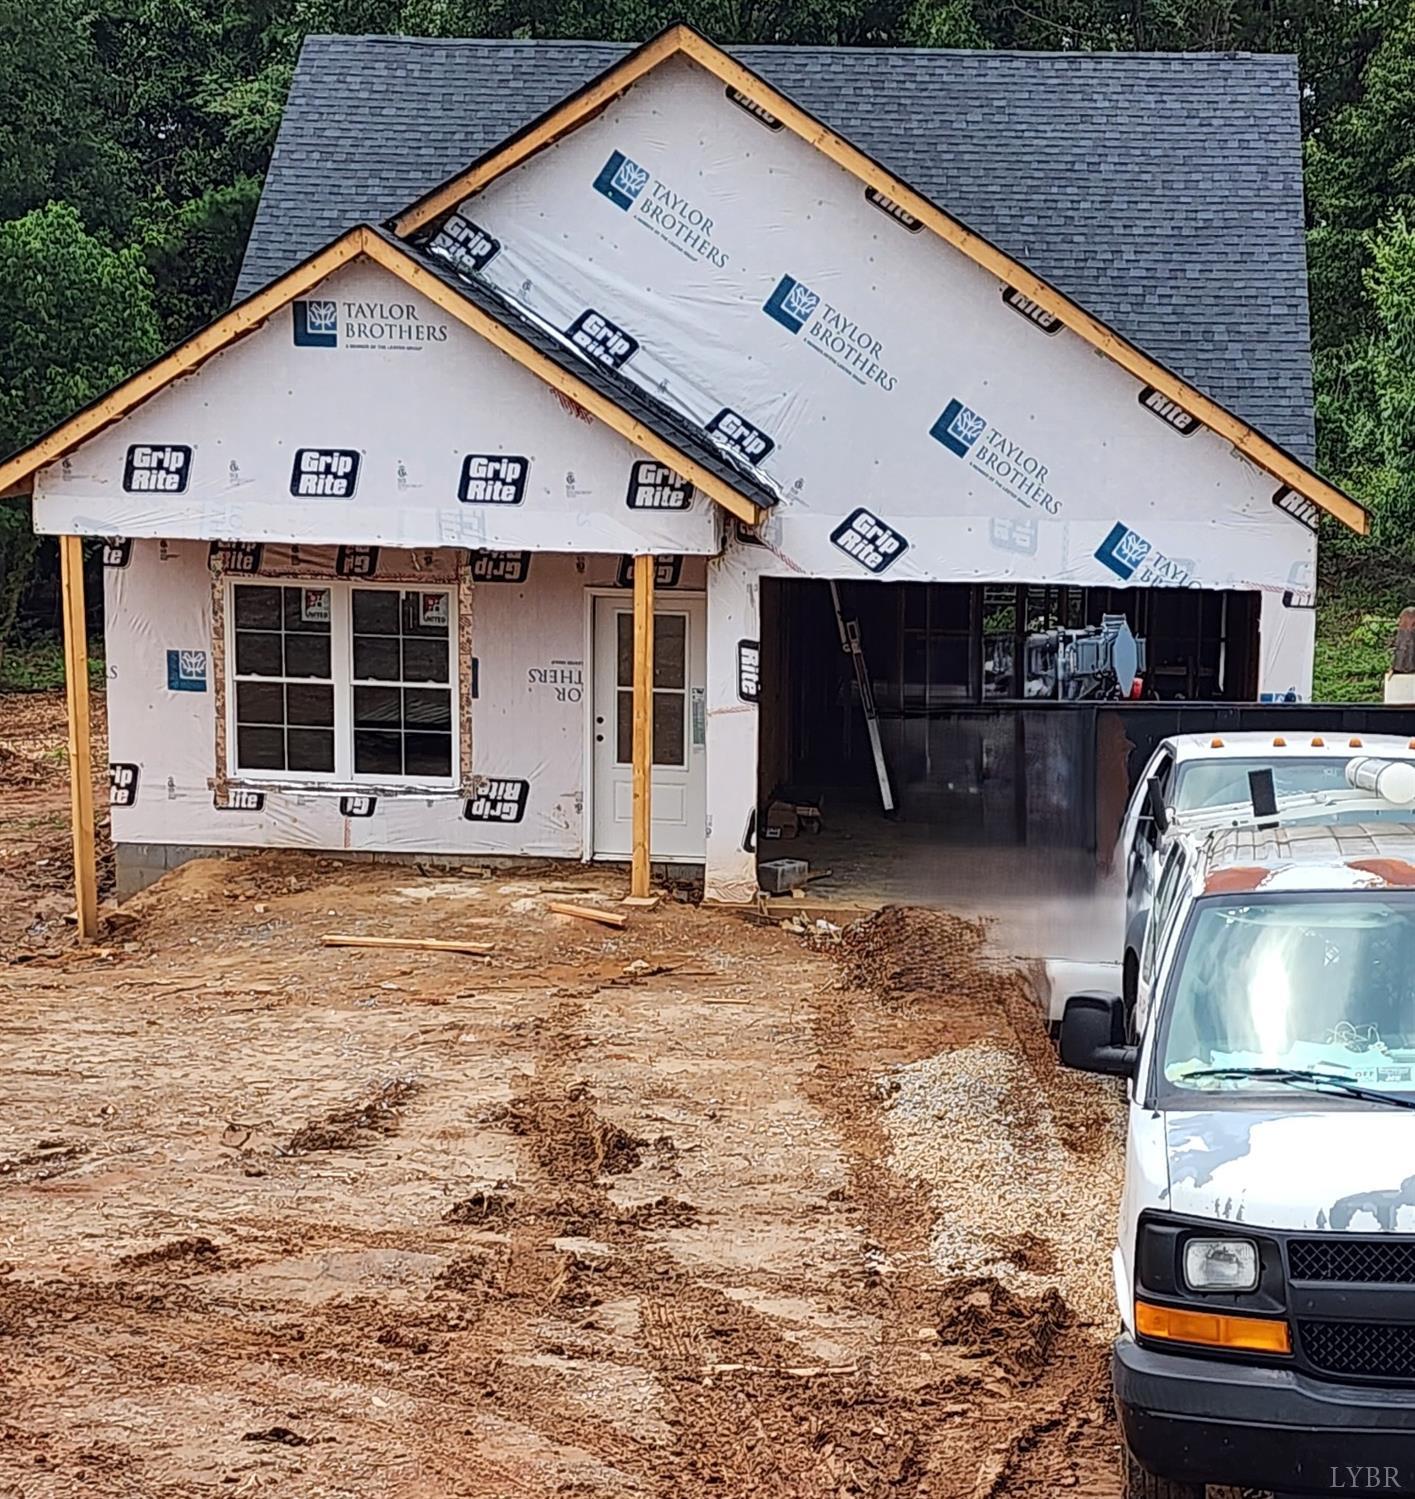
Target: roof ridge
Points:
(1107, 57)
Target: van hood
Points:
(1351, 1170)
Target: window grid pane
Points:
(288, 707)
(283, 678)
(402, 682)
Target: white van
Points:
(1265, 1268)
(1196, 776)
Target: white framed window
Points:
(344, 683)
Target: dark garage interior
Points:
(991, 749)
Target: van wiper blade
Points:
(1304, 1079)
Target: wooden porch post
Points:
(71, 571)
(643, 725)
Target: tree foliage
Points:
(135, 134)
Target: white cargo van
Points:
(1195, 777)
(1265, 1266)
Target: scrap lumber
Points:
(588, 913)
(429, 944)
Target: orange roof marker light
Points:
(1318, 742)
(1215, 743)
(1353, 742)
(1279, 742)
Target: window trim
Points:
(341, 657)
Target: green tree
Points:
(56, 139)
(78, 317)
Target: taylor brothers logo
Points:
(829, 332)
(321, 323)
(991, 453)
(659, 207)
(1133, 558)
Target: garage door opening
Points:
(984, 701)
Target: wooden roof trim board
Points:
(683, 40)
(360, 243)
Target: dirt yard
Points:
(700, 1208)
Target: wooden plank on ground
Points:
(587, 913)
(429, 944)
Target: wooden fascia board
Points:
(543, 132)
(546, 369)
(240, 320)
(684, 40)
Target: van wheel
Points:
(1140, 1483)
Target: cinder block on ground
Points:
(778, 876)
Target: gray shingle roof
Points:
(1161, 192)
(631, 398)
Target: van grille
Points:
(1389, 1262)
(1373, 1350)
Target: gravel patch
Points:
(1013, 1202)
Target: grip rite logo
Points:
(236, 556)
(493, 479)
(739, 436)
(356, 562)
(757, 111)
(654, 486)
(666, 572)
(866, 538)
(500, 567)
(239, 799)
(164, 469)
(324, 473)
(122, 784)
(897, 212)
(621, 180)
(749, 678)
(316, 324)
(1034, 312)
(607, 343)
(357, 806)
(465, 246)
(1170, 412)
(498, 801)
(117, 551)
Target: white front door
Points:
(679, 728)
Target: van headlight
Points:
(1221, 1265)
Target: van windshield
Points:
(1219, 783)
(1322, 983)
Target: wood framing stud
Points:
(643, 726)
(71, 571)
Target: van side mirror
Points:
(1093, 1036)
(1154, 804)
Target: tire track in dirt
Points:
(1029, 1388)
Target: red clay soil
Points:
(607, 1213)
